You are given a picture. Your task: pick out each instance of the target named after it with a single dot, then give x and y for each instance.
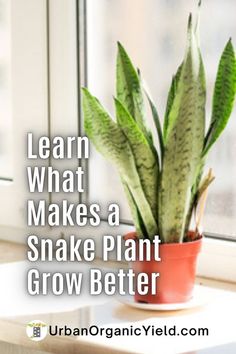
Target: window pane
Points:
(154, 33)
(5, 80)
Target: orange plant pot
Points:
(177, 270)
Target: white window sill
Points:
(17, 308)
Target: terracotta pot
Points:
(177, 270)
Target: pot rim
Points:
(132, 235)
(174, 250)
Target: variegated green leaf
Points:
(112, 143)
(128, 88)
(137, 219)
(157, 123)
(145, 160)
(100, 128)
(224, 94)
(184, 143)
(170, 99)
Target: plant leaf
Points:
(100, 128)
(194, 191)
(137, 219)
(184, 144)
(128, 88)
(207, 180)
(156, 122)
(112, 143)
(223, 98)
(145, 160)
(170, 99)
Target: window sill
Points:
(17, 308)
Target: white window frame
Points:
(44, 98)
(54, 67)
(27, 69)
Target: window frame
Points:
(27, 39)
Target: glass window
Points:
(5, 92)
(154, 33)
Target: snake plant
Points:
(163, 185)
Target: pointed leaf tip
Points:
(230, 41)
(120, 47)
(190, 21)
(85, 91)
(116, 101)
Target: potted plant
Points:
(165, 183)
